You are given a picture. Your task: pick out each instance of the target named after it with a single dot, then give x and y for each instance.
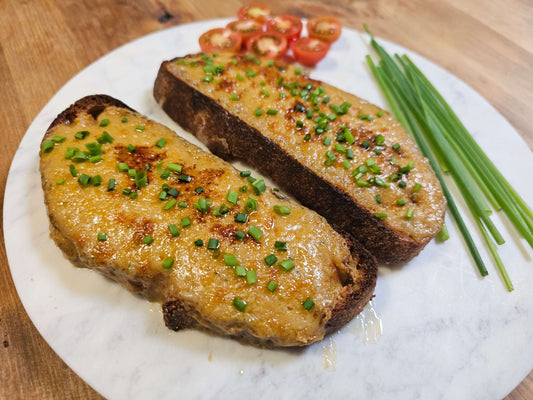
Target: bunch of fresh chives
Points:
(450, 148)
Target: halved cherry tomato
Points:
(267, 45)
(257, 12)
(309, 51)
(246, 28)
(220, 39)
(286, 25)
(327, 29)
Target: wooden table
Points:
(43, 43)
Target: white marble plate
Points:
(446, 332)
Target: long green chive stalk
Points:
(451, 149)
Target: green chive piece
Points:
(139, 128)
(94, 148)
(230, 260)
(280, 245)
(240, 271)
(173, 229)
(73, 170)
(185, 222)
(443, 234)
(401, 202)
(173, 192)
(270, 259)
(162, 195)
(58, 139)
(381, 215)
(105, 138)
(198, 242)
(182, 204)
(80, 156)
(123, 167)
(271, 111)
(251, 205)
(184, 178)
(174, 167)
(272, 286)
(126, 192)
(409, 214)
(240, 235)
(378, 198)
(245, 174)
(168, 263)
(97, 180)
(286, 265)
(255, 232)
(170, 204)
(47, 146)
(148, 240)
(259, 186)
(282, 210)
(104, 122)
(133, 195)
(124, 120)
(396, 146)
(60, 181)
(239, 304)
(161, 142)
(241, 217)
(81, 135)
(232, 197)
(251, 277)
(95, 159)
(258, 112)
(165, 174)
(84, 180)
(308, 303)
(212, 244)
(379, 114)
(102, 236)
(417, 187)
(234, 97)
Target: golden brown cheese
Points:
(135, 239)
(353, 145)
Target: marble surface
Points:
(435, 328)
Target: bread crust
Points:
(358, 283)
(228, 136)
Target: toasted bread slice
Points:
(345, 158)
(129, 198)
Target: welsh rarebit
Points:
(132, 200)
(341, 156)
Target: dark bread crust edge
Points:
(177, 315)
(227, 136)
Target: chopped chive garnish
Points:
(251, 205)
(168, 263)
(173, 229)
(184, 178)
(417, 187)
(232, 197)
(220, 210)
(409, 214)
(244, 174)
(185, 222)
(139, 128)
(259, 186)
(258, 112)
(396, 146)
(161, 142)
(104, 122)
(170, 204)
(230, 260)
(381, 215)
(240, 271)
(182, 204)
(282, 210)
(401, 202)
(443, 234)
(102, 236)
(131, 148)
(47, 146)
(271, 111)
(308, 303)
(255, 232)
(97, 180)
(58, 139)
(402, 184)
(365, 117)
(241, 217)
(270, 259)
(173, 192)
(95, 159)
(272, 286)
(133, 195)
(73, 170)
(239, 304)
(165, 174)
(126, 192)
(84, 180)
(378, 198)
(198, 242)
(234, 97)
(123, 167)
(251, 277)
(148, 240)
(174, 167)
(124, 120)
(365, 144)
(280, 246)
(286, 265)
(199, 190)
(212, 244)
(81, 135)
(240, 235)
(60, 181)
(105, 138)
(379, 114)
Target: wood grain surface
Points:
(44, 43)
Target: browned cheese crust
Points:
(124, 232)
(376, 186)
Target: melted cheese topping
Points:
(280, 87)
(199, 277)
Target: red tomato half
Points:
(220, 39)
(257, 12)
(267, 45)
(246, 28)
(327, 29)
(309, 51)
(286, 25)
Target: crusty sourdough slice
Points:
(129, 198)
(334, 152)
